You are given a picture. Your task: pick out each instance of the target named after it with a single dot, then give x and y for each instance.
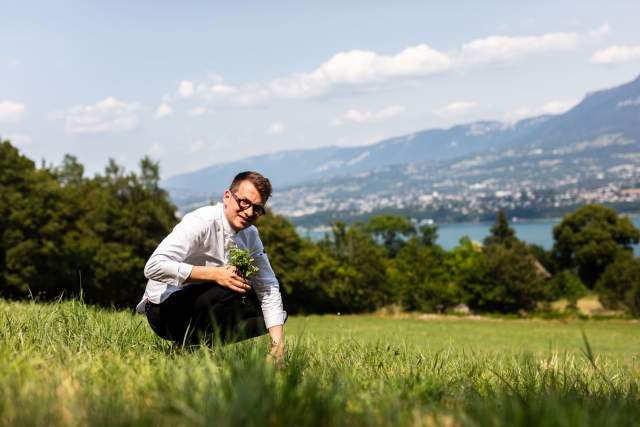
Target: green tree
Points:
(15, 171)
(392, 230)
(32, 227)
(130, 214)
(421, 278)
(501, 233)
(429, 234)
(500, 279)
(544, 257)
(565, 284)
(358, 279)
(71, 172)
(316, 283)
(589, 239)
(466, 266)
(60, 230)
(287, 252)
(619, 285)
(344, 272)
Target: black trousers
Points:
(206, 311)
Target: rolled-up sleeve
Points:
(166, 264)
(267, 287)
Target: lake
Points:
(539, 232)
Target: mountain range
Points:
(603, 128)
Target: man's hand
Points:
(226, 276)
(276, 353)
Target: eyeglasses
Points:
(258, 210)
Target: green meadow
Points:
(70, 364)
(617, 340)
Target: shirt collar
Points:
(226, 226)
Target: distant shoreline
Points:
(537, 231)
(440, 217)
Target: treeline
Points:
(62, 233)
(386, 260)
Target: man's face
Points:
(238, 218)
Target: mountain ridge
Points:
(604, 112)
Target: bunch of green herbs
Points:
(242, 260)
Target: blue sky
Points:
(197, 83)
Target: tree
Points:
(14, 172)
(60, 230)
(71, 172)
(500, 278)
(149, 174)
(128, 218)
(544, 257)
(421, 278)
(357, 267)
(501, 232)
(619, 285)
(392, 230)
(344, 272)
(589, 239)
(429, 234)
(32, 227)
(565, 284)
(286, 251)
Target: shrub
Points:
(567, 285)
(619, 285)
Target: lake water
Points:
(539, 232)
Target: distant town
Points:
(531, 184)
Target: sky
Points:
(192, 84)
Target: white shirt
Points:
(200, 239)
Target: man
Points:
(194, 294)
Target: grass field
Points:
(68, 364)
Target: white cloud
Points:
(600, 32)
(18, 140)
(197, 111)
(363, 68)
(106, 116)
(455, 109)
(197, 146)
(359, 67)
(186, 89)
(616, 55)
(163, 110)
(503, 48)
(357, 116)
(551, 107)
(219, 89)
(557, 107)
(11, 112)
(216, 92)
(276, 128)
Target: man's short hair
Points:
(261, 183)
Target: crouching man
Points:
(194, 294)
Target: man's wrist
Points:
(199, 273)
(276, 335)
